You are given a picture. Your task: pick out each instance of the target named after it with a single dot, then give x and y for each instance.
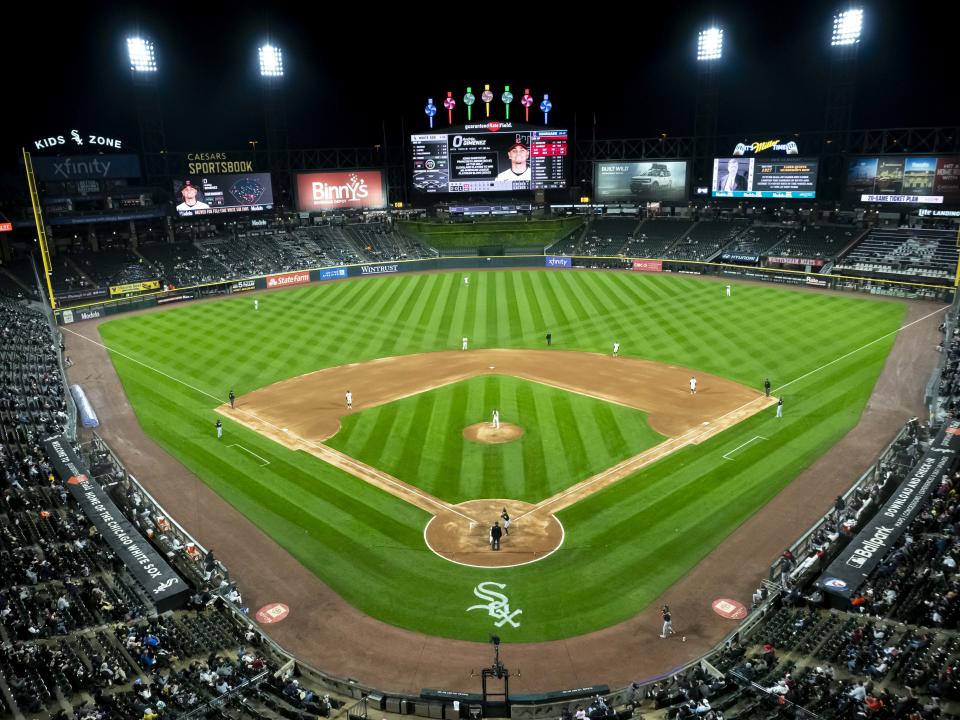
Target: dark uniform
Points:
(232, 399)
(766, 386)
(549, 339)
(496, 532)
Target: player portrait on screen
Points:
(732, 179)
(190, 201)
(518, 155)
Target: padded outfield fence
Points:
(893, 288)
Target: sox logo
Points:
(497, 605)
(164, 585)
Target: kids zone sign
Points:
(321, 191)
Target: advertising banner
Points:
(813, 262)
(879, 535)
(164, 586)
(287, 279)
(321, 191)
(648, 265)
(559, 261)
(217, 194)
(378, 269)
(336, 273)
(134, 287)
(86, 167)
(641, 181)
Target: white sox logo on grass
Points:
(497, 606)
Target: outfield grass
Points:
(637, 537)
(509, 233)
(567, 438)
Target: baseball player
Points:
(616, 349)
(219, 429)
(766, 386)
(233, 399)
(466, 279)
(463, 345)
(256, 304)
(693, 385)
(496, 419)
(349, 400)
(780, 407)
(506, 521)
(728, 291)
(667, 621)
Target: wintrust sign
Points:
(317, 192)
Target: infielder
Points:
(616, 349)
(349, 400)
(463, 345)
(667, 621)
(496, 419)
(693, 385)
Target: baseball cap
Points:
(518, 144)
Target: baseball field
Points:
(618, 480)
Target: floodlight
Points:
(271, 61)
(142, 57)
(710, 44)
(847, 25)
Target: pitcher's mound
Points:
(485, 433)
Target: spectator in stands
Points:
(518, 154)
(190, 201)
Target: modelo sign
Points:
(287, 279)
(322, 191)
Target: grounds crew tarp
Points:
(164, 586)
(878, 536)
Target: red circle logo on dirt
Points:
(730, 609)
(272, 613)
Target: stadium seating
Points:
(812, 241)
(920, 255)
(703, 242)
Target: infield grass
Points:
(624, 545)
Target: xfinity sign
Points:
(86, 167)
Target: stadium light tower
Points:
(271, 61)
(143, 59)
(845, 34)
(710, 44)
(709, 54)
(847, 25)
(144, 72)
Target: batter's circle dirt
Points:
(461, 534)
(487, 434)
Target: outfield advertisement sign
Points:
(321, 191)
(134, 287)
(70, 316)
(243, 286)
(812, 262)
(378, 269)
(648, 265)
(879, 535)
(164, 586)
(336, 273)
(86, 167)
(559, 261)
(287, 279)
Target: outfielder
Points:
(256, 304)
(219, 429)
(463, 345)
(728, 291)
(616, 349)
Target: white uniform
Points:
(256, 304)
(616, 348)
(496, 419)
(466, 281)
(349, 400)
(728, 291)
(693, 386)
(463, 345)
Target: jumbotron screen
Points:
(920, 180)
(641, 180)
(215, 194)
(494, 157)
(778, 177)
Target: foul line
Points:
(758, 437)
(265, 461)
(318, 446)
(862, 347)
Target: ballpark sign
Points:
(378, 269)
(559, 261)
(79, 139)
(286, 279)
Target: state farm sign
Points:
(286, 279)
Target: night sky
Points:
(349, 74)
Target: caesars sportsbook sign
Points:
(321, 191)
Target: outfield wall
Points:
(92, 310)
